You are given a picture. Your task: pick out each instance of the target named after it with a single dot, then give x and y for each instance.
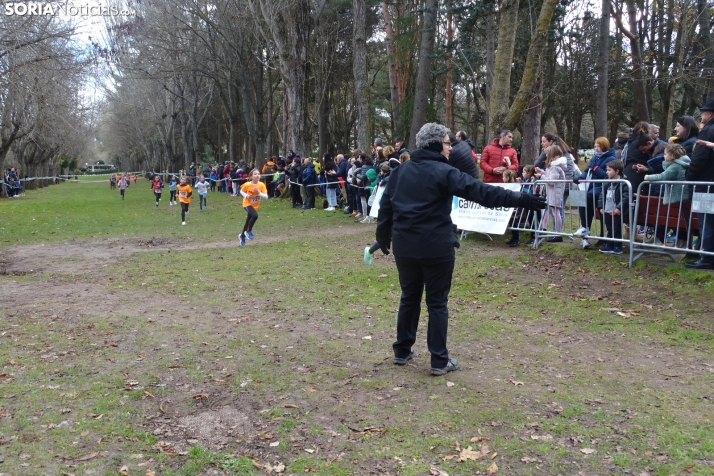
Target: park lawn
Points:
(570, 362)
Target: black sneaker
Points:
(555, 239)
(514, 244)
(450, 367)
(404, 360)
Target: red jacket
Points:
(494, 155)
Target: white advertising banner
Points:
(471, 216)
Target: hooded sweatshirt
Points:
(674, 171)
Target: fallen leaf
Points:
(690, 468)
(587, 451)
(150, 473)
(124, 471)
(450, 384)
(148, 394)
(275, 443)
(309, 450)
(434, 471)
(478, 439)
(516, 382)
(528, 459)
(256, 465)
(290, 405)
(468, 453)
(200, 395)
(542, 437)
(493, 456)
(493, 469)
(367, 338)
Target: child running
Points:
(252, 192)
(173, 184)
(202, 188)
(122, 186)
(156, 185)
(184, 194)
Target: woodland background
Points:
(197, 81)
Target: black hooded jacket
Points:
(461, 158)
(701, 169)
(415, 210)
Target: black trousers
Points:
(415, 275)
(250, 219)
(184, 209)
(310, 192)
(614, 226)
(295, 193)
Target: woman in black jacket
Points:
(414, 215)
(687, 131)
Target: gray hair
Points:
(430, 133)
(505, 132)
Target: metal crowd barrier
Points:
(672, 227)
(647, 224)
(573, 200)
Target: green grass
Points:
(278, 330)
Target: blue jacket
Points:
(688, 144)
(309, 177)
(598, 170)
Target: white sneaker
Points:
(329, 209)
(582, 231)
(183, 222)
(586, 244)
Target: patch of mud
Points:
(211, 429)
(154, 242)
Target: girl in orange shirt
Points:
(252, 192)
(184, 194)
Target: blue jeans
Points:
(331, 197)
(706, 230)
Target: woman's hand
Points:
(639, 167)
(705, 143)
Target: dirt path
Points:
(232, 417)
(83, 256)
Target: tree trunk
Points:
(490, 66)
(428, 34)
(602, 67)
(392, 67)
(530, 81)
(638, 67)
(500, 94)
(617, 74)
(706, 39)
(359, 71)
(449, 92)
(323, 116)
(531, 125)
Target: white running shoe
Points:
(582, 231)
(183, 222)
(586, 244)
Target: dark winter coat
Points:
(701, 168)
(461, 158)
(687, 143)
(598, 170)
(415, 210)
(309, 177)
